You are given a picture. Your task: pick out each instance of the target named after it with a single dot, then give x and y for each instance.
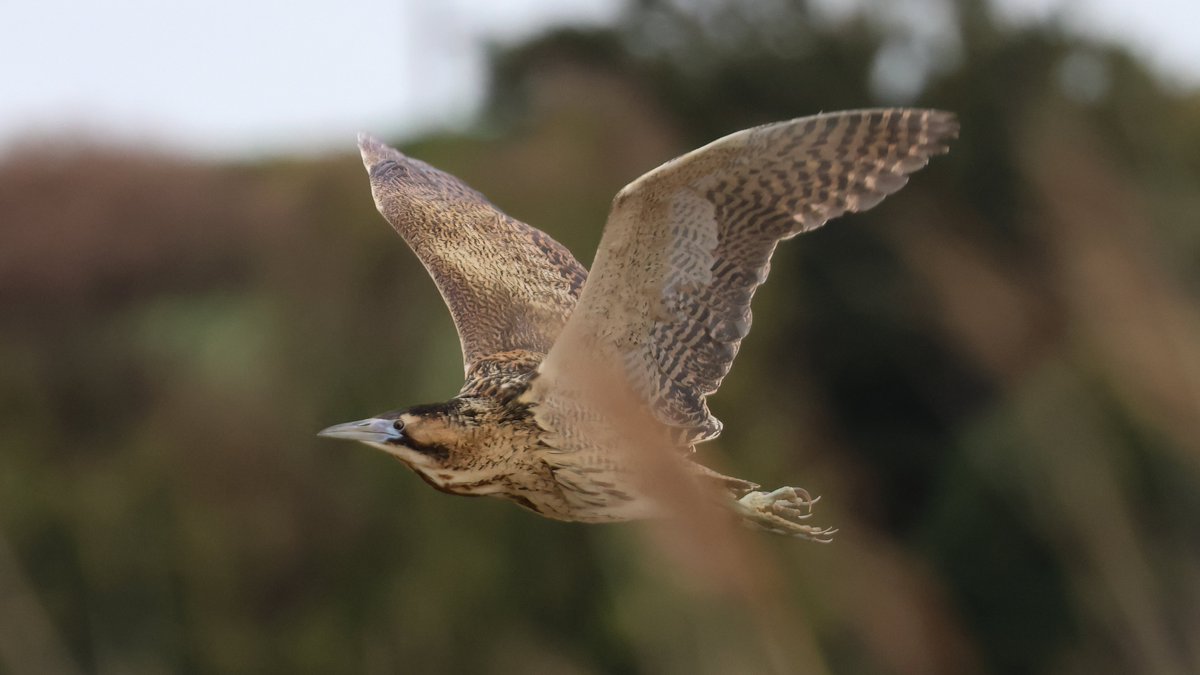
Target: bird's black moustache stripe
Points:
(435, 450)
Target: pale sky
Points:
(219, 78)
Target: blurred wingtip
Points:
(373, 150)
(942, 125)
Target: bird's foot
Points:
(782, 512)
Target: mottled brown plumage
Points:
(509, 286)
(660, 318)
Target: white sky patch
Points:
(1165, 33)
(222, 78)
(225, 78)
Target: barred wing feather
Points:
(509, 286)
(686, 245)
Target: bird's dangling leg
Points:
(782, 511)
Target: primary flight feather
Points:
(662, 313)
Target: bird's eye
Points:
(398, 425)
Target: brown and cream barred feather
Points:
(509, 286)
(687, 245)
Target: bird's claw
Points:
(781, 511)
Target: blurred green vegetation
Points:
(993, 378)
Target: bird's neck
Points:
(502, 376)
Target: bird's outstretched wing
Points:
(686, 245)
(509, 286)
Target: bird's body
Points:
(562, 365)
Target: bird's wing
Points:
(668, 299)
(508, 285)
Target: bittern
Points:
(664, 310)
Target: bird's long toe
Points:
(781, 511)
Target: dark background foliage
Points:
(993, 378)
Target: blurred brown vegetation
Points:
(993, 378)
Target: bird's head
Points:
(425, 437)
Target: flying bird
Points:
(662, 313)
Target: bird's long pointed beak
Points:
(370, 430)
